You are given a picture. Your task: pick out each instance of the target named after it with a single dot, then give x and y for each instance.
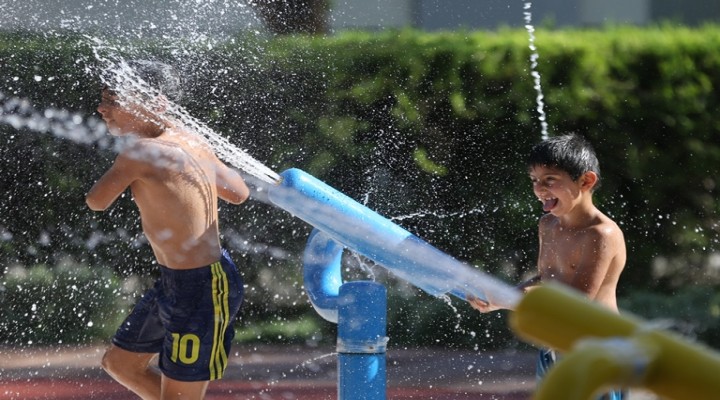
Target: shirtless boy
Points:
(579, 246)
(175, 180)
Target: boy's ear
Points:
(588, 180)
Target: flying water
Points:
(21, 114)
(539, 99)
(118, 75)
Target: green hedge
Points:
(692, 311)
(645, 97)
(428, 128)
(68, 304)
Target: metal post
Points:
(361, 345)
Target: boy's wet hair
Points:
(160, 76)
(570, 153)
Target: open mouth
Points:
(549, 204)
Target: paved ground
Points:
(282, 373)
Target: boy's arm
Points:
(481, 305)
(107, 189)
(486, 306)
(530, 283)
(230, 185)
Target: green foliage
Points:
(70, 303)
(693, 311)
(430, 129)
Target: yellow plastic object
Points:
(602, 349)
(597, 366)
(553, 316)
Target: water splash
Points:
(534, 72)
(118, 75)
(435, 214)
(20, 114)
(190, 20)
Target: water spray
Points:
(120, 76)
(534, 55)
(20, 114)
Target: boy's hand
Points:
(480, 305)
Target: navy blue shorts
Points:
(187, 317)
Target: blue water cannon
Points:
(342, 223)
(359, 307)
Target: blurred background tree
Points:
(284, 17)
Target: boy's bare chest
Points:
(560, 254)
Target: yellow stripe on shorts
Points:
(220, 293)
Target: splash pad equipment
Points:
(602, 350)
(343, 222)
(359, 308)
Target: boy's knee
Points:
(117, 361)
(109, 361)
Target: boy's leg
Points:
(545, 360)
(614, 395)
(133, 371)
(178, 390)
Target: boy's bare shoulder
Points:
(150, 154)
(604, 231)
(607, 226)
(546, 222)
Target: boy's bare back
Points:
(175, 184)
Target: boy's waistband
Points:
(195, 272)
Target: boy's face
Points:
(122, 119)
(555, 189)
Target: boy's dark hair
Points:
(571, 153)
(159, 76)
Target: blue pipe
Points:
(362, 318)
(322, 274)
(349, 224)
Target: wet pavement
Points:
(282, 372)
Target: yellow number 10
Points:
(180, 348)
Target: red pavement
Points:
(70, 389)
(277, 373)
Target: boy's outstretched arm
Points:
(486, 306)
(481, 305)
(107, 189)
